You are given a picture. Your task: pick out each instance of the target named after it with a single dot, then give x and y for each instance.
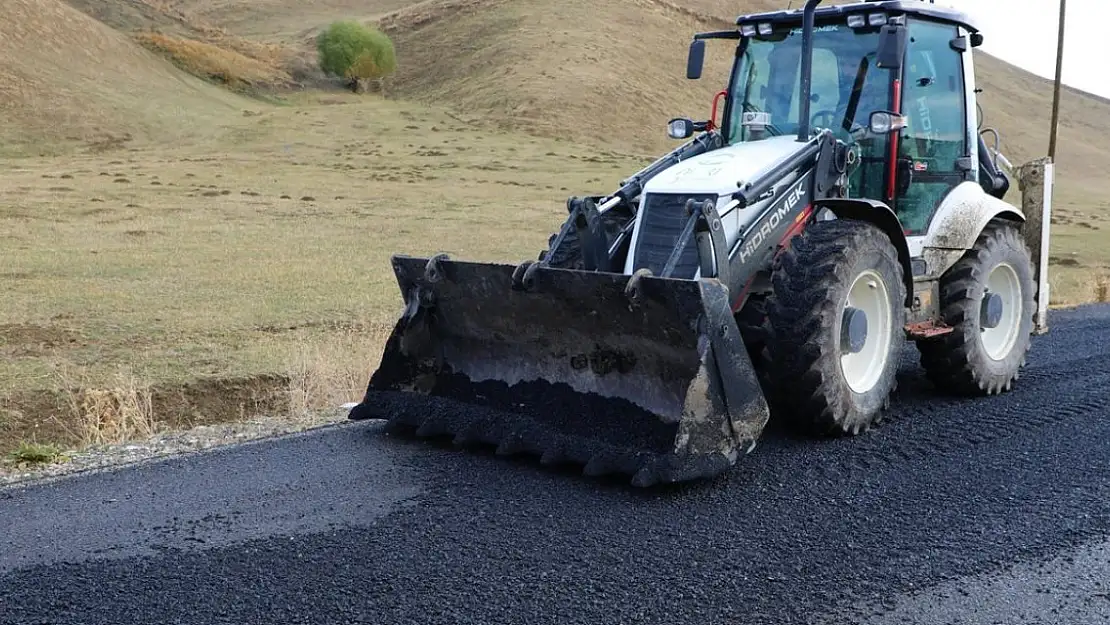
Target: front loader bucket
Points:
(638, 375)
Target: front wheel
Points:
(987, 298)
(837, 322)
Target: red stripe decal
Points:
(799, 224)
(743, 294)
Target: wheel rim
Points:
(863, 369)
(1000, 340)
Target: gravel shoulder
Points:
(166, 444)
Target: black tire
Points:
(752, 321)
(569, 253)
(812, 279)
(959, 362)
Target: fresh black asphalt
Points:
(994, 510)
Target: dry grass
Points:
(521, 64)
(183, 32)
(278, 20)
(542, 68)
(119, 413)
(334, 370)
(1102, 289)
(231, 68)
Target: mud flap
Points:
(638, 375)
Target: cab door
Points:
(932, 148)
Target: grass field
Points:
(176, 254)
(259, 261)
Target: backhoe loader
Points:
(839, 202)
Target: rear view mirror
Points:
(892, 47)
(885, 122)
(696, 60)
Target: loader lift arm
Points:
(585, 222)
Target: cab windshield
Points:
(846, 85)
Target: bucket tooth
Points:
(433, 426)
(552, 456)
(402, 421)
(645, 477)
(511, 445)
(600, 464)
(607, 462)
(397, 427)
(469, 436)
(673, 470)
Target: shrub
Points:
(215, 63)
(35, 453)
(356, 52)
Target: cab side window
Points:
(936, 136)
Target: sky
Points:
(1023, 32)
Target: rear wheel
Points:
(837, 319)
(987, 297)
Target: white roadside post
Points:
(1036, 181)
(1040, 322)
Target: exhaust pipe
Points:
(807, 68)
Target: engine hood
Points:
(720, 171)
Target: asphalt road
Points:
(973, 512)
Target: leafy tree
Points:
(355, 52)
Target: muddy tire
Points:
(988, 298)
(837, 323)
(752, 321)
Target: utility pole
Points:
(1056, 88)
(1037, 179)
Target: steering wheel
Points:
(834, 118)
(836, 123)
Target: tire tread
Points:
(809, 387)
(950, 361)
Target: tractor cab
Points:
(893, 80)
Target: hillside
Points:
(66, 78)
(1019, 104)
(551, 68)
(545, 67)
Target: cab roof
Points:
(891, 7)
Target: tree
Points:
(356, 53)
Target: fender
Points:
(881, 215)
(963, 214)
(957, 224)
